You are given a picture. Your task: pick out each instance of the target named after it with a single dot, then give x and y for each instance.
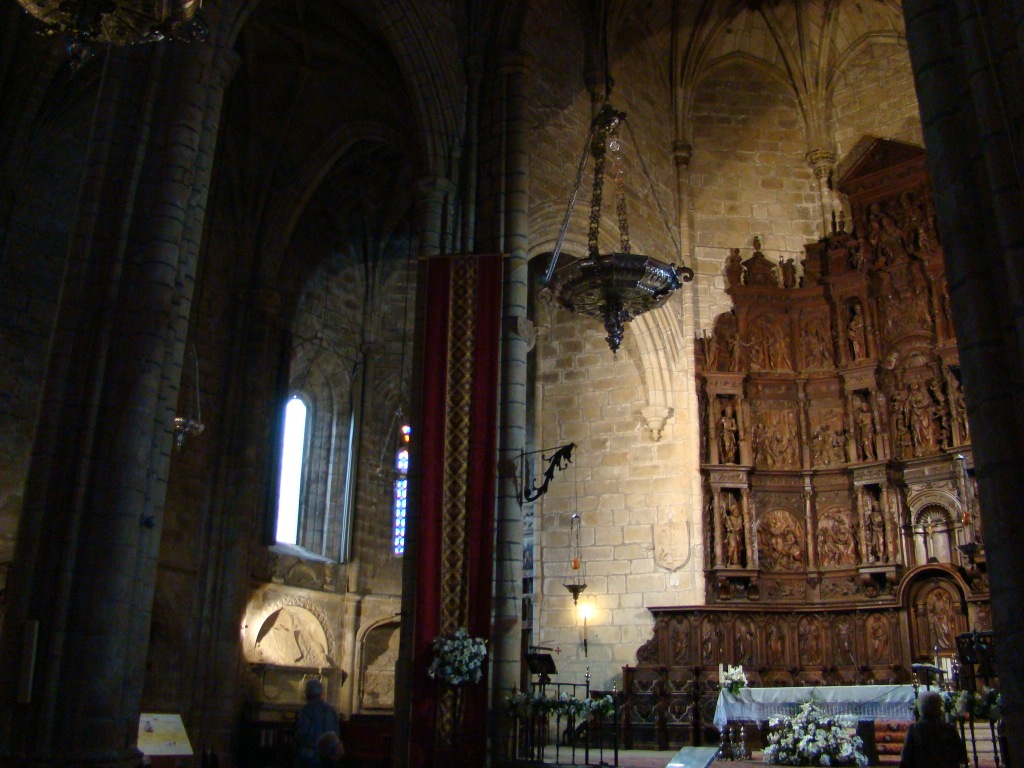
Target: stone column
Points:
(682, 152)
(76, 632)
(516, 336)
(965, 94)
(824, 163)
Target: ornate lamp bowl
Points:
(616, 287)
(118, 22)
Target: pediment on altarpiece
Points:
(880, 166)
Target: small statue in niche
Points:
(878, 639)
(891, 239)
(820, 450)
(939, 606)
(943, 430)
(711, 346)
(745, 642)
(958, 409)
(902, 418)
(733, 521)
(845, 643)
(875, 530)
(776, 643)
(777, 341)
(730, 435)
(788, 273)
(855, 332)
(810, 641)
(865, 430)
(734, 268)
(711, 642)
(922, 411)
(681, 648)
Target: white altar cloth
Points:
(864, 702)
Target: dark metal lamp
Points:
(613, 287)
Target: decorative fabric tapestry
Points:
(456, 497)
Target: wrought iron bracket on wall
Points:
(559, 460)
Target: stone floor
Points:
(642, 758)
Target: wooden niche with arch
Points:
(937, 612)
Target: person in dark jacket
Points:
(316, 718)
(931, 741)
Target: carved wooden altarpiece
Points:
(836, 458)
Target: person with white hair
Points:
(932, 742)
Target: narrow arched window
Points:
(292, 454)
(401, 500)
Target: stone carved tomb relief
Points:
(377, 670)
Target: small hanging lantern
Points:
(575, 577)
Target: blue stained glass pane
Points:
(401, 502)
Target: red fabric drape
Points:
(458, 445)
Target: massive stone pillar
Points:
(515, 344)
(76, 631)
(968, 63)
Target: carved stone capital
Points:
(822, 161)
(682, 152)
(654, 417)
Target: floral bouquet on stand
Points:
(458, 658)
(813, 738)
(733, 679)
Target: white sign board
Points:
(163, 734)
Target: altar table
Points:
(862, 702)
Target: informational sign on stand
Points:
(163, 735)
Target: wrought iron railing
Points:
(560, 724)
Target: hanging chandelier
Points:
(118, 22)
(612, 287)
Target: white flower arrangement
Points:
(733, 679)
(985, 704)
(813, 738)
(458, 658)
(525, 705)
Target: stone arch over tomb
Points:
(291, 634)
(376, 656)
